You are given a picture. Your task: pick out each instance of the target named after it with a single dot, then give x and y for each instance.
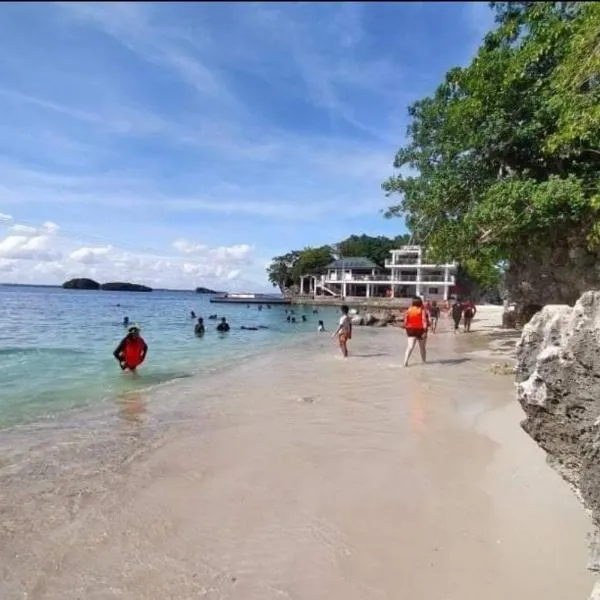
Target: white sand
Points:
(303, 476)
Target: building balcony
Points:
(401, 262)
(390, 280)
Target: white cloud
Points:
(4, 218)
(28, 248)
(90, 255)
(34, 257)
(186, 247)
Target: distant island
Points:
(203, 290)
(115, 286)
(118, 286)
(81, 284)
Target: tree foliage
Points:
(505, 155)
(376, 249)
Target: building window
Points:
(434, 290)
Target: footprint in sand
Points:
(306, 399)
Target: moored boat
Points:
(240, 298)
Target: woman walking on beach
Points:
(469, 313)
(416, 324)
(344, 331)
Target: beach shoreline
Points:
(299, 474)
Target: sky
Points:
(186, 144)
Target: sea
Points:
(56, 345)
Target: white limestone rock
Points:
(558, 386)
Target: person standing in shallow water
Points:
(199, 328)
(344, 331)
(416, 324)
(132, 350)
(456, 314)
(434, 313)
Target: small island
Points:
(203, 290)
(83, 283)
(118, 286)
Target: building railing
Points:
(400, 279)
(399, 262)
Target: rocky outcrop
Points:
(203, 290)
(557, 272)
(81, 283)
(119, 286)
(558, 386)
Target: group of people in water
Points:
(420, 318)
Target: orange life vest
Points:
(415, 318)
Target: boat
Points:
(232, 298)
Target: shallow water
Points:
(294, 474)
(56, 345)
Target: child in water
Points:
(344, 331)
(321, 327)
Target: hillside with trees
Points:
(504, 156)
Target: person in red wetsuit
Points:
(416, 324)
(132, 350)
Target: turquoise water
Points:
(56, 345)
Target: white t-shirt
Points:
(345, 324)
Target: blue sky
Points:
(188, 143)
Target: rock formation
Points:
(558, 386)
(119, 286)
(81, 284)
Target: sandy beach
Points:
(300, 475)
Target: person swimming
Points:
(249, 328)
(321, 327)
(223, 326)
(192, 314)
(125, 321)
(304, 318)
(199, 328)
(132, 350)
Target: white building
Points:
(405, 275)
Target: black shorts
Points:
(416, 333)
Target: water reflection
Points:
(132, 408)
(418, 412)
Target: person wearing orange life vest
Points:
(416, 324)
(132, 350)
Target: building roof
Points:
(353, 262)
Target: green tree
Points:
(504, 171)
(279, 272)
(312, 261)
(376, 249)
(285, 271)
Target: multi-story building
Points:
(405, 275)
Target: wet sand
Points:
(299, 475)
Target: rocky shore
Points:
(558, 386)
